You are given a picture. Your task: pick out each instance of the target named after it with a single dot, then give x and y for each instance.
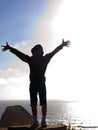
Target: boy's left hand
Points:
(65, 43)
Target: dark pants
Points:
(37, 88)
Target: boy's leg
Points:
(33, 100)
(43, 103)
(44, 112)
(34, 112)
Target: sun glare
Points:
(76, 64)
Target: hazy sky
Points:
(72, 73)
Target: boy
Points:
(38, 64)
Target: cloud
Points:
(3, 81)
(14, 86)
(14, 79)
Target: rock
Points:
(15, 116)
(49, 127)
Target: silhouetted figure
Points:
(38, 64)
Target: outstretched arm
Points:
(19, 54)
(63, 44)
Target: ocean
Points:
(78, 114)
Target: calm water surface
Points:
(79, 114)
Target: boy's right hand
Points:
(6, 47)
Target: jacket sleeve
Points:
(51, 54)
(57, 49)
(20, 55)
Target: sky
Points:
(72, 73)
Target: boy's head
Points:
(37, 50)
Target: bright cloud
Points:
(13, 85)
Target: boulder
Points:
(15, 116)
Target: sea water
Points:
(78, 114)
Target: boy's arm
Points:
(19, 54)
(64, 43)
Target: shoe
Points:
(43, 124)
(34, 125)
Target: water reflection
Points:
(82, 113)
